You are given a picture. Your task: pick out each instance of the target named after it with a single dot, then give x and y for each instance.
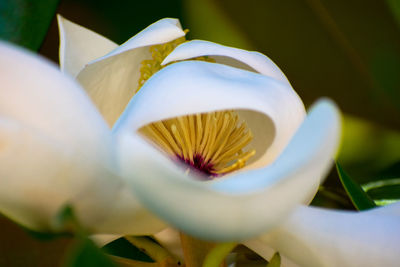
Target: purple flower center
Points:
(199, 164)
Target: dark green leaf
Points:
(122, 248)
(86, 253)
(384, 191)
(357, 195)
(275, 260)
(25, 22)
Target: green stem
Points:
(217, 255)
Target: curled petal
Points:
(79, 46)
(112, 80)
(35, 93)
(318, 237)
(56, 150)
(272, 110)
(242, 204)
(235, 57)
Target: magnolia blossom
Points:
(248, 82)
(293, 152)
(56, 148)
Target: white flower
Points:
(59, 143)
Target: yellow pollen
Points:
(159, 53)
(212, 143)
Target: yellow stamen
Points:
(211, 142)
(158, 54)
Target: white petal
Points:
(112, 80)
(162, 31)
(79, 46)
(39, 176)
(235, 57)
(241, 205)
(37, 94)
(323, 238)
(272, 109)
(55, 149)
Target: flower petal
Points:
(317, 237)
(235, 57)
(79, 46)
(35, 93)
(55, 149)
(243, 204)
(272, 110)
(40, 176)
(112, 80)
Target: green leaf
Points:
(86, 253)
(383, 192)
(367, 148)
(123, 248)
(357, 195)
(275, 260)
(25, 22)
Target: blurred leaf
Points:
(394, 7)
(275, 260)
(86, 253)
(207, 21)
(25, 22)
(367, 148)
(385, 189)
(122, 248)
(384, 192)
(357, 195)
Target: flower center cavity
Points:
(211, 143)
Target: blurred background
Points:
(348, 51)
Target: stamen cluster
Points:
(211, 143)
